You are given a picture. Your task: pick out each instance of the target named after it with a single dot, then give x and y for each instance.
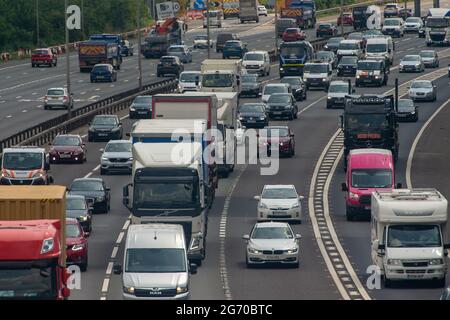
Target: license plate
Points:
(102, 134)
(65, 156)
(279, 213)
(100, 77)
(277, 112)
(142, 112)
(367, 80)
(415, 276)
(271, 257)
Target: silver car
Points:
(180, 51)
(58, 98)
(117, 156)
(272, 242)
(413, 24)
(430, 58)
(411, 63)
(424, 90)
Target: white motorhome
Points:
(409, 234)
(380, 48)
(221, 75)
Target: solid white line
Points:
(416, 141)
(88, 175)
(311, 105)
(96, 168)
(124, 117)
(126, 225)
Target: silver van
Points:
(155, 263)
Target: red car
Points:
(67, 147)
(346, 18)
(286, 140)
(77, 244)
(44, 57)
(293, 34)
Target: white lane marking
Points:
(83, 93)
(24, 111)
(120, 237)
(34, 93)
(126, 225)
(315, 225)
(310, 106)
(112, 85)
(80, 81)
(109, 268)
(3, 101)
(416, 141)
(409, 49)
(96, 168)
(115, 251)
(105, 285)
(31, 82)
(88, 175)
(124, 117)
(39, 106)
(126, 80)
(18, 97)
(9, 116)
(84, 136)
(98, 89)
(94, 97)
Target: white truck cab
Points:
(380, 48)
(409, 234)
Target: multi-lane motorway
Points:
(328, 270)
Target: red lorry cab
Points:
(368, 170)
(43, 57)
(31, 251)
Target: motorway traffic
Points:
(322, 231)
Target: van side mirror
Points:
(344, 187)
(47, 166)
(341, 117)
(257, 198)
(246, 237)
(117, 269)
(192, 268)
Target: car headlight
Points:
(38, 175)
(324, 79)
(6, 175)
(83, 218)
(241, 118)
(99, 199)
(104, 159)
(130, 159)
(134, 109)
(329, 98)
(47, 245)
(78, 247)
(417, 65)
(263, 206)
(128, 290)
(254, 251)
(287, 107)
(434, 262)
(182, 289)
(394, 262)
(293, 250)
(400, 66)
(353, 196)
(295, 205)
(281, 69)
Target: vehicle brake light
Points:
(65, 98)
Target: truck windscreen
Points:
(371, 178)
(166, 195)
(292, 51)
(28, 283)
(217, 80)
(367, 121)
(22, 161)
(376, 47)
(437, 23)
(414, 236)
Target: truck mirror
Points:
(117, 269)
(192, 268)
(344, 187)
(375, 244)
(381, 247)
(47, 166)
(399, 185)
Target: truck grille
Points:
(22, 182)
(415, 263)
(437, 37)
(118, 159)
(155, 292)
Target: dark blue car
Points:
(103, 72)
(234, 49)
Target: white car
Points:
(201, 42)
(413, 24)
(257, 62)
(279, 202)
(272, 88)
(189, 81)
(272, 242)
(411, 63)
(424, 90)
(262, 11)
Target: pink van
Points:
(368, 170)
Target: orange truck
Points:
(33, 243)
(91, 53)
(303, 11)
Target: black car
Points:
(105, 128)
(169, 65)
(253, 115)
(326, 30)
(327, 56)
(103, 72)
(297, 86)
(224, 37)
(407, 111)
(126, 48)
(141, 108)
(371, 72)
(234, 49)
(77, 208)
(95, 191)
(333, 44)
(347, 66)
(282, 105)
(250, 86)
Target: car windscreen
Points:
(369, 65)
(413, 236)
(324, 55)
(413, 20)
(55, 92)
(338, 88)
(75, 204)
(279, 98)
(427, 54)
(66, 141)
(274, 89)
(316, 68)
(371, 178)
(411, 58)
(335, 41)
(118, 147)
(249, 78)
(376, 47)
(105, 121)
(155, 260)
(173, 195)
(279, 193)
(355, 36)
(22, 161)
(272, 233)
(324, 26)
(217, 80)
(189, 77)
(294, 82)
(405, 105)
(167, 60)
(421, 84)
(101, 69)
(143, 100)
(224, 37)
(176, 49)
(291, 30)
(349, 60)
(275, 132)
(362, 122)
(348, 46)
(232, 44)
(86, 186)
(254, 56)
(72, 231)
(251, 108)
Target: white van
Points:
(155, 263)
(215, 19)
(380, 48)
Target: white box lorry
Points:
(409, 235)
(220, 75)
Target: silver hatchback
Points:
(117, 156)
(58, 98)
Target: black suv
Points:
(224, 37)
(326, 30)
(372, 72)
(169, 65)
(95, 191)
(105, 128)
(347, 66)
(297, 86)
